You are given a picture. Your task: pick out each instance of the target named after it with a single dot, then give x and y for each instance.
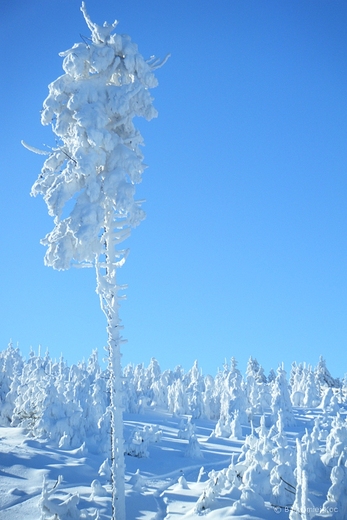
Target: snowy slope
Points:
(155, 488)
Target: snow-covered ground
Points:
(166, 484)
(229, 446)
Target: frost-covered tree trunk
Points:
(94, 170)
(109, 299)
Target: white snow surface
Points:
(154, 493)
(155, 489)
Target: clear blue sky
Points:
(244, 249)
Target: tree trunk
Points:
(107, 290)
(116, 412)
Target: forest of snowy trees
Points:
(68, 407)
(69, 404)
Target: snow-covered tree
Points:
(214, 486)
(281, 397)
(336, 441)
(177, 398)
(336, 502)
(193, 450)
(256, 387)
(11, 365)
(237, 395)
(282, 474)
(311, 393)
(210, 399)
(272, 376)
(323, 376)
(94, 169)
(303, 508)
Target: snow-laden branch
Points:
(35, 150)
(99, 34)
(155, 63)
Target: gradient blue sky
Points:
(244, 249)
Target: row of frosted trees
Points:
(70, 404)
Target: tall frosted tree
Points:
(88, 181)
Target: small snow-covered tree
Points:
(256, 387)
(237, 395)
(311, 393)
(94, 169)
(323, 376)
(177, 398)
(11, 365)
(281, 397)
(303, 508)
(336, 502)
(336, 441)
(210, 398)
(282, 474)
